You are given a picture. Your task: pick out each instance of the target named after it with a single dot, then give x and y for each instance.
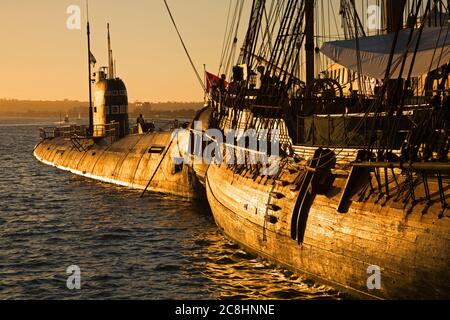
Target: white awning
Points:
(375, 51)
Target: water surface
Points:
(158, 247)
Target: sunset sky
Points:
(41, 59)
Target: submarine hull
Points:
(135, 161)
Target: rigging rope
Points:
(232, 51)
(224, 46)
(185, 49)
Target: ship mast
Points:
(309, 42)
(91, 115)
(394, 14)
(110, 57)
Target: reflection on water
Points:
(153, 248)
(239, 275)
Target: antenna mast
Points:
(110, 57)
(91, 115)
(309, 45)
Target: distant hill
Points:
(20, 108)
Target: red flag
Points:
(213, 80)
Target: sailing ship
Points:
(360, 188)
(363, 179)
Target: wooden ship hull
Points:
(141, 161)
(361, 197)
(411, 247)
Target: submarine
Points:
(108, 150)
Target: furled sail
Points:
(433, 52)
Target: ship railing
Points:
(318, 104)
(350, 104)
(159, 125)
(81, 132)
(69, 132)
(63, 131)
(344, 130)
(49, 132)
(417, 102)
(109, 131)
(344, 122)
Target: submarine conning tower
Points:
(110, 105)
(110, 110)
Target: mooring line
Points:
(185, 49)
(157, 167)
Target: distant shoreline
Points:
(74, 109)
